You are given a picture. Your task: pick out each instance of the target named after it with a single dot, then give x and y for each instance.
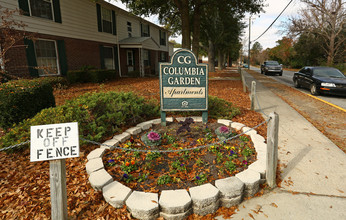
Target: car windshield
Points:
(328, 72)
(272, 63)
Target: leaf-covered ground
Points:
(24, 185)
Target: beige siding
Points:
(79, 20)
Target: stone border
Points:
(178, 204)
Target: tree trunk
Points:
(185, 24)
(211, 56)
(219, 60)
(196, 27)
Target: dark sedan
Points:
(321, 80)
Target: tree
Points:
(189, 13)
(283, 51)
(9, 37)
(326, 19)
(256, 51)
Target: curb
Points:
(178, 204)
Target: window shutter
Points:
(31, 57)
(142, 30)
(116, 58)
(114, 23)
(149, 30)
(62, 57)
(24, 6)
(99, 19)
(57, 13)
(102, 58)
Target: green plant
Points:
(152, 155)
(127, 177)
(170, 139)
(22, 99)
(129, 166)
(247, 152)
(219, 157)
(151, 138)
(223, 133)
(200, 178)
(164, 179)
(142, 177)
(230, 166)
(177, 165)
(244, 138)
(98, 115)
(199, 162)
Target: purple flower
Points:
(125, 176)
(182, 165)
(224, 129)
(244, 162)
(153, 136)
(111, 161)
(232, 152)
(198, 178)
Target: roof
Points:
(145, 42)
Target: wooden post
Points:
(272, 149)
(163, 118)
(253, 93)
(58, 196)
(243, 80)
(205, 117)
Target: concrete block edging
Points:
(226, 192)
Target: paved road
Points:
(286, 78)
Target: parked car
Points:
(321, 80)
(245, 65)
(271, 67)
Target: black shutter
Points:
(57, 13)
(31, 57)
(142, 35)
(102, 58)
(148, 30)
(114, 23)
(116, 58)
(62, 57)
(24, 6)
(99, 18)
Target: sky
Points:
(259, 24)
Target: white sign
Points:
(183, 92)
(54, 141)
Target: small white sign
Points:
(54, 141)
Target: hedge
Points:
(99, 115)
(95, 76)
(21, 99)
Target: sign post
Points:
(55, 142)
(184, 85)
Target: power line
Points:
(273, 21)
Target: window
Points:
(129, 58)
(46, 56)
(42, 9)
(162, 38)
(146, 58)
(106, 20)
(129, 29)
(108, 58)
(145, 30)
(163, 56)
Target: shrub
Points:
(91, 75)
(55, 82)
(76, 76)
(217, 108)
(21, 99)
(99, 115)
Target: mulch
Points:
(24, 185)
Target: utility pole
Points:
(249, 43)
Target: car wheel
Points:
(296, 83)
(280, 74)
(313, 90)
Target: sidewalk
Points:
(313, 172)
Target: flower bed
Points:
(205, 161)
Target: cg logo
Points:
(184, 104)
